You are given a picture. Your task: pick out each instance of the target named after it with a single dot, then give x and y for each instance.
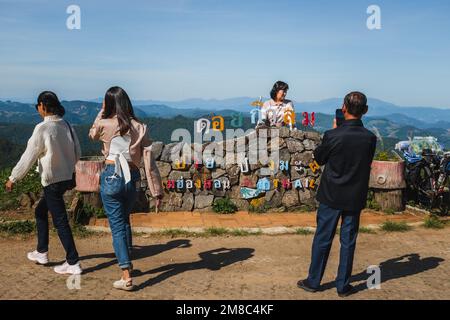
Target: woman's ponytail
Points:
(51, 103)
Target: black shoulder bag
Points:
(73, 182)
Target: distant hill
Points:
(85, 111)
(77, 112)
(393, 123)
(376, 107)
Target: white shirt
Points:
(119, 152)
(52, 146)
(275, 112)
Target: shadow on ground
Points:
(396, 268)
(210, 260)
(139, 252)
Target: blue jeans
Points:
(327, 221)
(53, 202)
(118, 199)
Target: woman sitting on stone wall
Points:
(278, 111)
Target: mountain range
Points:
(391, 121)
(421, 117)
(84, 111)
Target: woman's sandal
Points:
(123, 284)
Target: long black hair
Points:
(51, 103)
(279, 85)
(118, 103)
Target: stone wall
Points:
(295, 147)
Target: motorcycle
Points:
(427, 176)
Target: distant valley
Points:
(391, 122)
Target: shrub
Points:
(259, 209)
(384, 156)
(80, 231)
(213, 231)
(433, 222)
(389, 211)
(371, 203)
(224, 205)
(244, 233)
(366, 230)
(392, 226)
(303, 231)
(10, 200)
(87, 211)
(18, 227)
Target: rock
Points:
(274, 198)
(218, 193)
(281, 175)
(188, 202)
(284, 132)
(175, 175)
(252, 139)
(305, 157)
(306, 196)
(166, 152)
(164, 168)
(309, 144)
(214, 150)
(290, 199)
(297, 134)
(203, 201)
(157, 148)
(218, 173)
(314, 136)
(234, 193)
(294, 145)
(297, 174)
(233, 172)
(172, 202)
(248, 181)
(241, 144)
(241, 204)
(276, 144)
(25, 201)
(284, 155)
(256, 166)
(207, 209)
(176, 150)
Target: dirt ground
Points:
(414, 265)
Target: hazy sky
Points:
(177, 49)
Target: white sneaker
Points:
(122, 284)
(66, 268)
(41, 258)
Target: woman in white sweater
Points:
(55, 147)
(278, 111)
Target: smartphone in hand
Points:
(339, 117)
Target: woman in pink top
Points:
(124, 138)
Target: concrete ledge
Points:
(256, 231)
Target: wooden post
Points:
(390, 199)
(388, 181)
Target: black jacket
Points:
(347, 154)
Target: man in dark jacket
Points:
(347, 152)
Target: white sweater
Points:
(52, 146)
